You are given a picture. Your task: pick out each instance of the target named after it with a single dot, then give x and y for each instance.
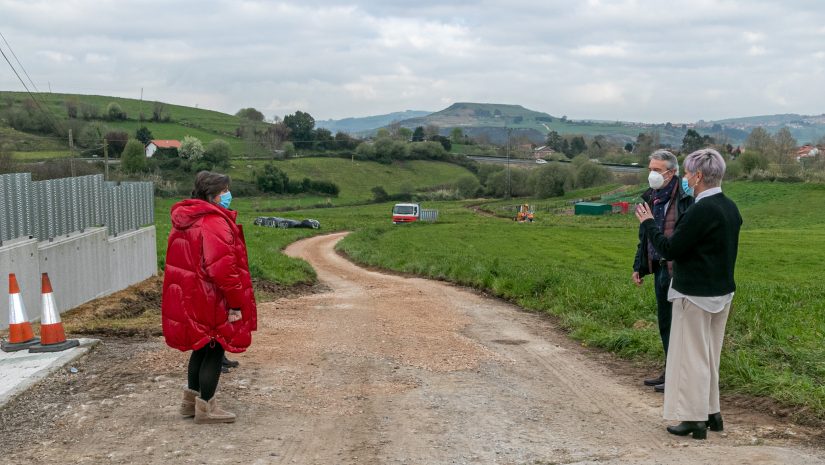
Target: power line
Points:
(48, 115)
(18, 61)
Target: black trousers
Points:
(664, 313)
(205, 369)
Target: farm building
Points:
(155, 145)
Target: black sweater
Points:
(703, 247)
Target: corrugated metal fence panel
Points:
(47, 209)
(15, 219)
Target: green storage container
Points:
(592, 208)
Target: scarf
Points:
(660, 201)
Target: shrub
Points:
(144, 135)
(551, 180)
(467, 186)
(591, 174)
(217, 153)
(116, 140)
(89, 111)
(133, 159)
(91, 138)
(734, 170)
(379, 194)
(191, 148)
(272, 180)
(752, 161)
(7, 163)
(114, 112)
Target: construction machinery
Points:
(524, 214)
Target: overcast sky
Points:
(651, 61)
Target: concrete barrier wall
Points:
(124, 270)
(81, 266)
(20, 256)
(77, 267)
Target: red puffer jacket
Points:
(207, 273)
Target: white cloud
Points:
(756, 50)
(95, 58)
(753, 36)
(599, 93)
(56, 57)
(608, 50)
(433, 37)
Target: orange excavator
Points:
(524, 214)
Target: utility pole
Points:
(105, 159)
(509, 130)
(71, 152)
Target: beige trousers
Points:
(692, 373)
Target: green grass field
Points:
(356, 179)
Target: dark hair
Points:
(209, 184)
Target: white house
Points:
(156, 144)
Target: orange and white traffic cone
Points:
(52, 336)
(21, 335)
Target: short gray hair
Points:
(664, 155)
(708, 162)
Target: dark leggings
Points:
(205, 369)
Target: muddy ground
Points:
(375, 368)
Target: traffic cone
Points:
(52, 336)
(21, 335)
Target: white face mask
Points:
(655, 179)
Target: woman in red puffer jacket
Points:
(208, 304)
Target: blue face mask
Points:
(226, 199)
(686, 187)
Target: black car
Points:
(277, 222)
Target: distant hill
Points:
(805, 128)
(490, 120)
(368, 123)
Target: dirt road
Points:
(378, 369)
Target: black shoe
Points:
(655, 381)
(659, 388)
(224, 369)
(698, 428)
(229, 363)
(715, 422)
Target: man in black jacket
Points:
(668, 201)
(703, 249)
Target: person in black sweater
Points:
(703, 249)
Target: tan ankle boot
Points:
(187, 406)
(209, 412)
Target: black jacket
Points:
(683, 202)
(703, 247)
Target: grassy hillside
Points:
(203, 124)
